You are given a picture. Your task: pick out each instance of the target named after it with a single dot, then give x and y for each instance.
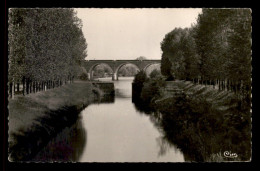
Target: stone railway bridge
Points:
(115, 65)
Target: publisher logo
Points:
(228, 154)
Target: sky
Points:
(115, 34)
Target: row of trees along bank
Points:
(216, 51)
(45, 48)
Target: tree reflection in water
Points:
(200, 132)
(171, 135)
(69, 144)
(107, 98)
(66, 146)
(155, 118)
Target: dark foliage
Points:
(214, 51)
(200, 130)
(30, 143)
(45, 48)
(155, 73)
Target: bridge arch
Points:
(121, 65)
(148, 65)
(91, 69)
(115, 65)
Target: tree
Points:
(239, 40)
(223, 41)
(138, 84)
(16, 44)
(141, 58)
(46, 47)
(216, 49)
(155, 73)
(191, 58)
(166, 66)
(151, 90)
(174, 47)
(127, 70)
(140, 78)
(101, 69)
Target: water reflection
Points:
(171, 136)
(164, 142)
(141, 107)
(124, 129)
(68, 145)
(105, 99)
(117, 132)
(112, 130)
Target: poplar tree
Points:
(46, 47)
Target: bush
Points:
(155, 73)
(140, 78)
(138, 83)
(166, 66)
(151, 89)
(196, 127)
(83, 76)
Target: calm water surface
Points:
(117, 132)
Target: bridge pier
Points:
(115, 77)
(89, 77)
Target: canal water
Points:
(118, 132)
(112, 132)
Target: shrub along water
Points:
(145, 90)
(203, 129)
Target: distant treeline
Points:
(45, 48)
(216, 51)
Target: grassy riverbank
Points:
(220, 100)
(203, 122)
(23, 110)
(35, 118)
(207, 122)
